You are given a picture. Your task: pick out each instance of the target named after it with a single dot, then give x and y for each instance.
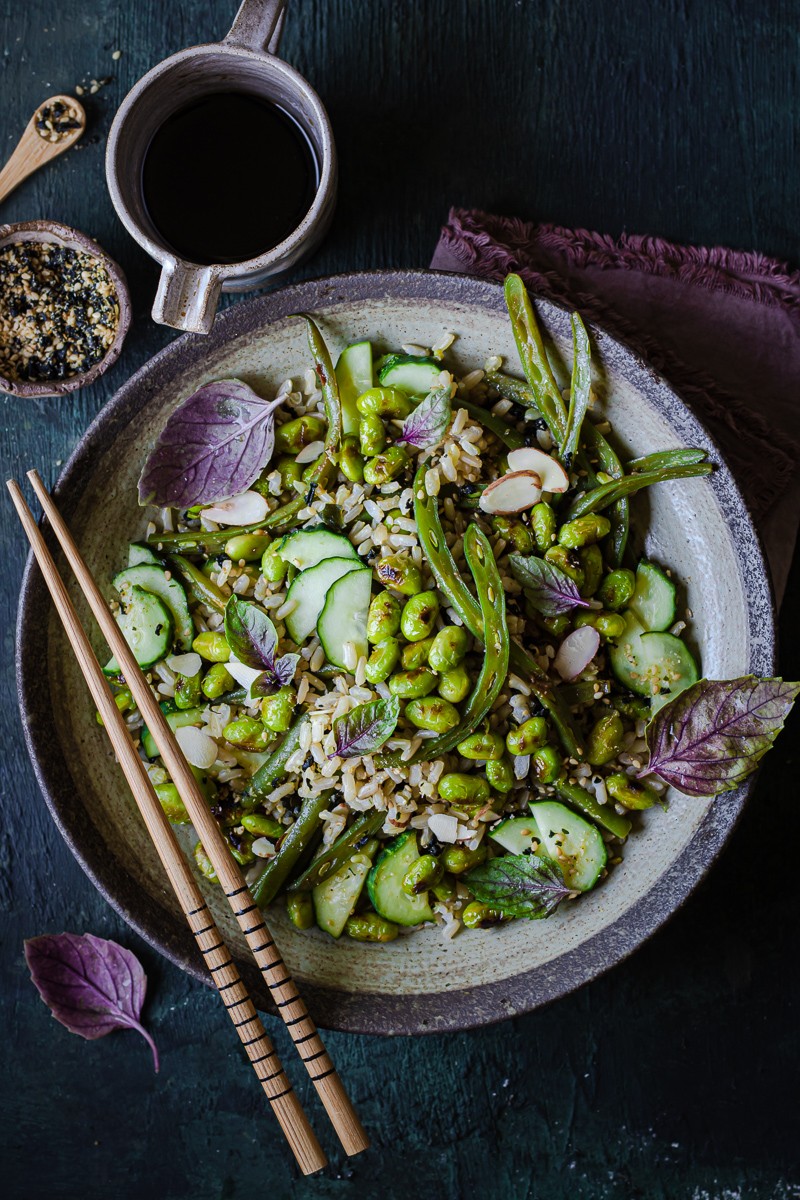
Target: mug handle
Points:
(258, 25)
(187, 297)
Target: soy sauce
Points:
(228, 177)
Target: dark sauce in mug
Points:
(228, 177)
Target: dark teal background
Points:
(676, 1074)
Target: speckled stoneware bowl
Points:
(419, 983)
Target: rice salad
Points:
(410, 661)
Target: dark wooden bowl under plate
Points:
(420, 983)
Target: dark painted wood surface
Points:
(674, 1076)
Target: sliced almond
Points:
(512, 493)
(245, 509)
(310, 452)
(199, 747)
(444, 827)
(553, 476)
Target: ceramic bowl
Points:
(422, 982)
(71, 239)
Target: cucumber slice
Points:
(177, 718)
(516, 834)
(385, 883)
(137, 553)
(354, 376)
(309, 590)
(146, 625)
(151, 578)
(336, 897)
(572, 842)
(651, 663)
(653, 602)
(409, 374)
(308, 547)
(344, 616)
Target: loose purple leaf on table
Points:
(549, 589)
(366, 728)
(427, 424)
(713, 734)
(91, 985)
(213, 446)
(520, 885)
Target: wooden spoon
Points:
(54, 127)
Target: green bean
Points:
(277, 710)
(369, 927)
(496, 425)
(300, 910)
(629, 792)
(383, 402)
(412, 685)
(200, 586)
(458, 859)
(479, 916)
(448, 648)
(500, 775)
(400, 573)
(432, 712)
(337, 854)
(516, 390)
(605, 739)
(207, 541)
(326, 377)
(456, 786)
(443, 566)
(424, 873)
(383, 660)
(580, 387)
(247, 546)
(617, 589)
(274, 768)
(483, 747)
(585, 692)
(371, 436)
(608, 461)
(262, 826)
(384, 467)
(583, 531)
(544, 524)
(533, 357)
(455, 684)
(585, 802)
(212, 646)
(592, 562)
(667, 458)
(527, 737)
(352, 463)
(295, 842)
(415, 654)
(608, 493)
(419, 616)
(383, 618)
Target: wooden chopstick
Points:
(234, 995)
(289, 1003)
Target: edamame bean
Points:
(629, 792)
(277, 711)
(371, 436)
(170, 800)
(249, 547)
(485, 747)
(123, 701)
(350, 459)
(527, 737)
(419, 616)
(415, 654)
(458, 859)
(424, 873)
(546, 764)
(584, 531)
(241, 849)
(431, 712)
(617, 589)
(635, 707)
(213, 647)
(383, 618)
(449, 648)
(609, 625)
(480, 916)
(567, 560)
(204, 863)
(290, 471)
(556, 626)
(454, 787)
(246, 732)
(369, 927)
(592, 562)
(302, 431)
(455, 684)
(400, 573)
(261, 825)
(217, 681)
(518, 535)
(605, 739)
(544, 525)
(386, 466)
(300, 909)
(383, 660)
(383, 402)
(500, 775)
(273, 567)
(188, 692)
(445, 889)
(311, 470)
(412, 685)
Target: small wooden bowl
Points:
(70, 239)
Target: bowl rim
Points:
(380, 1012)
(66, 236)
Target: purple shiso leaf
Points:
(274, 678)
(365, 728)
(213, 446)
(520, 885)
(547, 587)
(427, 424)
(250, 634)
(92, 986)
(713, 734)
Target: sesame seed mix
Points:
(56, 121)
(59, 311)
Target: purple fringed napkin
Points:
(722, 325)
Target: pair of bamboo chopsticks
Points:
(248, 1025)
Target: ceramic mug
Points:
(245, 61)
